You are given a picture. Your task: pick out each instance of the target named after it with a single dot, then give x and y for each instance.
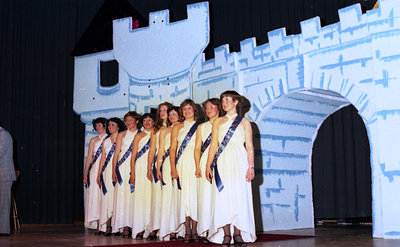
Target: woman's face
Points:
(188, 111)
(173, 117)
(130, 122)
(148, 123)
(112, 127)
(228, 103)
(163, 112)
(211, 110)
(100, 128)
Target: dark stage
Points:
(76, 235)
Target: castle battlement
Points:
(185, 39)
(353, 26)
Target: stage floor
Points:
(76, 235)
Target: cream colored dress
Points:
(142, 195)
(92, 203)
(155, 220)
(205, 188)
(107, 200)
(185, 199)
(123, 198)
(234, 204)
(167, 210)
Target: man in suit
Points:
(7, 176)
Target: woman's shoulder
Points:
(220, 121)
(165, 130)
(94, 139)
(246, 121)
(122, 134)
(178, 125)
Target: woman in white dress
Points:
(183, 171)
(160, 124)
(213, 110)
(164, 175)
(233, 203)
(92, 203)
(104, 176)
(123, 198)
(142, 195)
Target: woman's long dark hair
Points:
(159, 122)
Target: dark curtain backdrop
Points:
(341, 168)
(36, 82)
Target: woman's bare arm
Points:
(249, 148)
(197, 151)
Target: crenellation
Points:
(159, 18)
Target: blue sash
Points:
(131, 185)
(126, 154)
(166, 154)
(185, 142)
(96, 156)
(138, 155)
(155, 169)
(221, 147)
(206, 144)
(143, 150)
(109, 155)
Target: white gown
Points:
(185, 199)
(107, 200)
(234, 204)
(155, 220)
(123, 198)
(167, 210)
(205, 188)
(142, 195)
(92, 203)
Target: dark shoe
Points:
(187, 239)
(173, 237)
(139, 236)
(238, 241)
(108, 231)
(97, 233)
(117, 234)
(126, 233)
(205, 241)
(152, 236)
(195, 238)
(226, 241)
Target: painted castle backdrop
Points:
(293, 82)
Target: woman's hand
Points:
(114, 177)
(250, 174)
(85, 179)
(174, 174)
(159, 175)
(198, 173)
(98, 180)
(209, 174)
(150, 175)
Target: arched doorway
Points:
(341, 170)
(288, 128)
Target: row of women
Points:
(176, 177)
